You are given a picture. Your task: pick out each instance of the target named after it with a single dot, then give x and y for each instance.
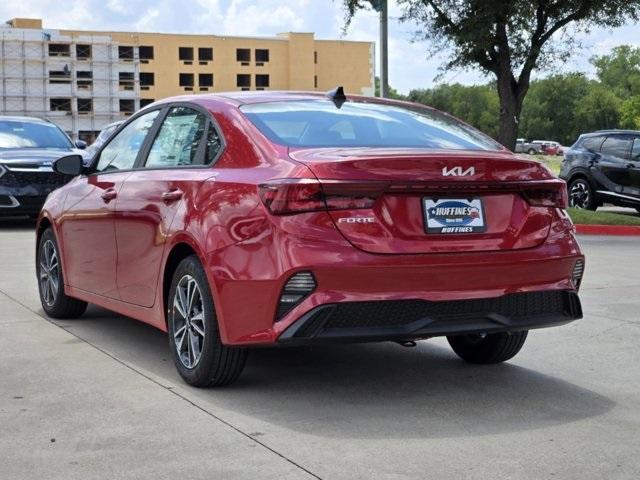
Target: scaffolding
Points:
(39, 67)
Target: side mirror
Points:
(81, 144)
(69, 165)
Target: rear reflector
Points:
(295, 290)
(288, 196)
(576, 274)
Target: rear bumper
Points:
(414, 319)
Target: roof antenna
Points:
(337, 96)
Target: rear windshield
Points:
(17, 134)
(319, 123)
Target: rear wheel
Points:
(194, 338)
(488, 348)
(532, 151)
(581, 195)
(51, 282)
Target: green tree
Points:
(599, 109)
(630, 113)
(477, 104)
(548, 111)
(393, 93)
(620, 70)
(507, 38)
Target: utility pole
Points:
(384, 50)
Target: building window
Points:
(84, 79)
(185, 54)
(315, 57)
(60, 76)
(262, 56)
(85, 105)
(205, 80)
(243, 80)
(262, 82)
(243, 55)
(127, 106)
(147, 79)
(146, 101)
(186, 81)
(60, 104)
(88, 136)
(125, 80)
(205, 55)
(83, 52)
(145, 53)
(315, 81)
(125, 53)
(59, 50)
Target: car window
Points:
(214, 144)
(25, 134)
(178, 141)
(122, 150)
(320, 123)
(635, 153)
(617, 146)
(592, 143)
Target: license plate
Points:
(453, 215)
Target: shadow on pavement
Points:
(17, 223)
(361, 391)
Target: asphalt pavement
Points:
(99, 397)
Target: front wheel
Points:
(532, 151)
(51, 281)
(581, 195)
(488, 348)
(194, 337)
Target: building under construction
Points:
(83, 80)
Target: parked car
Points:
(102, 137)
(522, 146)
(603, 167)
(28, 147)
(240, 220)
(549, 147)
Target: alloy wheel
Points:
(579, 196)
(188, 321)
(49, 273)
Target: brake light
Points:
(289, 196)
(547, 194)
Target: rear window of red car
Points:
(320, 123)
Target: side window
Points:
(122, 150)
(593, 143)
(214, 144)
(179, 139)
(617, 146)
(635, 153)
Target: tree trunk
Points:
(511, 97)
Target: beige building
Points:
(83, 80)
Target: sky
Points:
(409, 65)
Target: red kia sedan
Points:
(239, 220)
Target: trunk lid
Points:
(466, 188)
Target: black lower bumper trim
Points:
(412, 319)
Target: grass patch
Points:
(587, 217)
(553, 162)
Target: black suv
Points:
(28, 147)
(603, 167)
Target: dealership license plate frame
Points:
(433, 226)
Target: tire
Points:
(51, 281)
(582, 195)
(489, 348)
(194, 339)
(532, 151)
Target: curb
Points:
(608, 229)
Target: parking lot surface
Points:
(98, 397)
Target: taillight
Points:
(288, 196)
(547, 194)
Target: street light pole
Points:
(384, 51)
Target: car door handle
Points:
(109, 195)
(172, 195)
